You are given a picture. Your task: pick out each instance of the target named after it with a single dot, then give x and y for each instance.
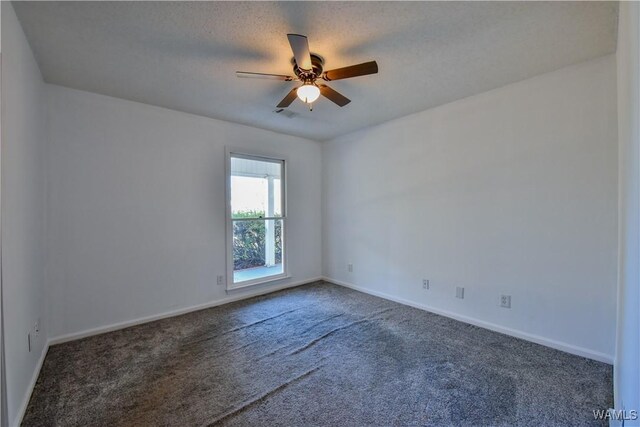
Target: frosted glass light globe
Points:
(308, 93)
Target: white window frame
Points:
(263, 156)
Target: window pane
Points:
(257, 249)
(255, 188)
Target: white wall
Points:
(627, 364)
(23, 210)
(513, 191)
(137, 208)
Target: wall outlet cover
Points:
(505, 301)
(459, 292)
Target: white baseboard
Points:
(34, 378)
(230, 298)
(567, 348)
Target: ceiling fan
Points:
(308, 68)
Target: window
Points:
(256, 228)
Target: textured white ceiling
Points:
(183, 55)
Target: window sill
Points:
(257, 282)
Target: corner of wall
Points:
(627, 357)
(23, 212)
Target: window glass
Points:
(257, 221)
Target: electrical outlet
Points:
(350, 268)
(505, 301)
(220, 280)
(425, 284)
(36, 327)
(459, 292)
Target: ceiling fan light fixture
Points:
(308, 93)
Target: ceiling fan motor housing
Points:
(317, 64)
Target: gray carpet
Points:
(314, 355)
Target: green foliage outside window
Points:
(249, 240)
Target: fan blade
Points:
(352, 71)
(334, 96)
(247, 75)
(288, 99)
(300, 47)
